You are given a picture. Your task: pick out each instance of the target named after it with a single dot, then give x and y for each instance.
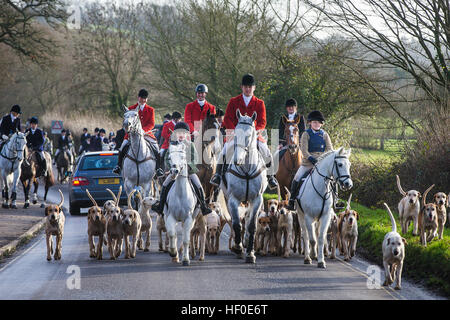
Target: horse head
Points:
(291, 134)
(131, 122)
(245, 137)
(18, 143)
(178, 160)
(341, 168)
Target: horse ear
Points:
(125, 109)
(254, 116)
(238, 114)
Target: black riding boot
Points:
(122, 153)
(273, 183)
(201, 199)
(295, 187)
(159, 170)
(158, 207)
(217, 177)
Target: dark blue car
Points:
(94, 172)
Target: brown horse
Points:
(209, 148)
(292, 158)
(31, 172)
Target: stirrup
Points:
(215, 180)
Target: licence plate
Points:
(109, 181)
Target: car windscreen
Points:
(98, 162)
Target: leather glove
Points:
(312, 159)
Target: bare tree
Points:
(24, 24)
(411, 35)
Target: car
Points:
(93, 171)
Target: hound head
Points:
(272, 205)
(95, 213)
(413, 197)
(264, 222)
(396, 244)
(129, 217)
(53, 212)
(430, 211)
(440, 199)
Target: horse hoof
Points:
(42, 205)
(34, 201)
(26, 205)
(13, 206)
(237, 249)
(321, 265)
(5, 206)
(173, 255)
(186, 263)
(307, 261)
(146, 250)
(250, 259)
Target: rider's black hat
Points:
(248, 80)
(102, 130)
(63, 130)
(34, 120)
(219, 113)
(291, 103)
(182, 125)
(143, 94)
(168, 116)
(96, 130)
(201, 88)
(176, 115)
(16, 108)
(316, 116)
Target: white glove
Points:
(4, 137)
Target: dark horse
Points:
(31, 172)
(63, 164)
(209, 148)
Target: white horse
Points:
(11, 159)
(315, 200)
(246, 182)
(180, 204)
(139, 164)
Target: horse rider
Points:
(48, 144)
(64, 141)
(291, 114)
(247, 104)
(35, 141)
(314, 142)
(219, 116)
(182, 135)
(158, 134)
(118, 139)
(197, 110)
(99, 141)
(83, 141)
(10, 124)
(167, 130)
(147, 117)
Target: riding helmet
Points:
(248, 80)
(143, 94)
(316, 116)
(291, 103)
(16, 108)
(182, 125)
(219, 113)
(176, 115)
(34, 120)
(168, 116)
(102, 131)
(201, 88)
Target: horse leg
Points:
(251, 230)
(187, 227)
(302, 222)
(171, 231)
(233, 206)
(323, 228)
(26, 191)
(47, 186)
(36, 186)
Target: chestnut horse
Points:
(292, 158)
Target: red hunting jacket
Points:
(166, 133)
(255, 105)
(193, 112)
(147, 116)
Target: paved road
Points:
(152, 275)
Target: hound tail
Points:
(129, 199)
(424, 198)
(62, 199)
(394, 225)
(399, 186)
(90, 197)
(348, 202)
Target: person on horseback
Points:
(147, 117)
(35, 142)
(182, 131)
(314, 142)
(167, 130)
(195, 112)
(48, 144)
(10, 124)
(83, 141)
(291, 114)
(64, 142)
(247, 104)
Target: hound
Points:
(263, 233)
(393, 254)
(408, 208)
(160, 228)
(145, 205)
(96, 228)
(285, 227)
(428, 220)
(114, 230)
(273, 213)
(440, 200)
(348, 231)
(131, 224)
(54, 226)
(333, 236)
(212, 231)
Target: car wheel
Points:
(74, 210)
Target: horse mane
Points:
(324, 155)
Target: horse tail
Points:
(394, 225)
